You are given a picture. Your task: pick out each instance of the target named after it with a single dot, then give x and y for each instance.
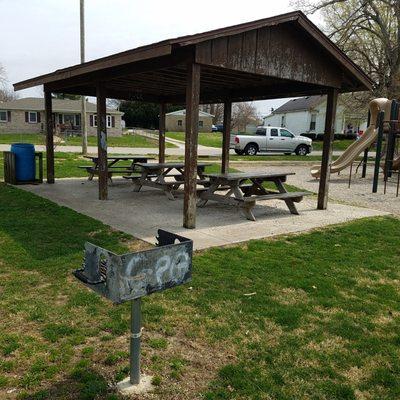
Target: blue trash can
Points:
(25, 169)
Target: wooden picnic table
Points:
(244, 189)
(111, 164)
(161, 176)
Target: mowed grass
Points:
(126, 140)
(210, 139)
(338, 145)
(312, 316)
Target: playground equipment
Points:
(365, 142)
(387, 155)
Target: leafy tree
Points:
(63, 96)
(368, 31)
(142, 114)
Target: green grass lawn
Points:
(311, 316)
(213, 139)
(120, 141)
(338, 145)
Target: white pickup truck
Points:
(271, 139)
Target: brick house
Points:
(175, 121)
(27, 116)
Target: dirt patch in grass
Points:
(290, 296)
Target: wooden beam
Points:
(49, 137)
(161, 134)
(102, 141)
(226, 136)
(329, 134)
(191, 139)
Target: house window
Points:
(3, 116)
(313, 122)
(69, 119)
(200, 124)
(179, 122)
(283, 121)
(109, 121)
(32, 117)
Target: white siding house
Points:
(307, 115)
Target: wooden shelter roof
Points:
(280, 56)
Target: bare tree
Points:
(243, 114)
(113, 103)
(6, 93)
(368, 31)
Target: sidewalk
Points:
(175, 151)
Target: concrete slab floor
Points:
(141, 214)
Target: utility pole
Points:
(83, 98)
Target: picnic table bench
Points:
(112, 168)
(160, 176)
(244, 189)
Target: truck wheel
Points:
(251, 149)
(301, 150)
(239, 152)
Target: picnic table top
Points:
(167, 165)
(124, 157)
(234, 176)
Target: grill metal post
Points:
(136, 333)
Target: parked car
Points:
(271, 139)
(220, 127)
(214, 128)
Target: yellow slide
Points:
(396, 163)
(365, 141)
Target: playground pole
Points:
(365, 159)
(394, 114)
(379, 124)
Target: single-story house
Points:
(175, 121)
(306, 115)
(27, 116)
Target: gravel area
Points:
(359, 193)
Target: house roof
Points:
(235, 65)
(59, 105)
(183, 113)
(301, 104)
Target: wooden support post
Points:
(329, 134)
(161, 135)
(102, 141)
(49, 137)
(226, 135)
(191, 139)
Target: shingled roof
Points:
(301, 104)
(59, 105)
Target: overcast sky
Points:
(40, 36)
